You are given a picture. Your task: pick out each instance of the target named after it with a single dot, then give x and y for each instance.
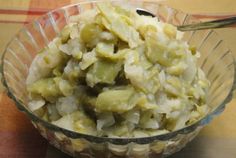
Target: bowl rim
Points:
(118, 141)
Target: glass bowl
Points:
(216, 61)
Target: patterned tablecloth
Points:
(19, 139)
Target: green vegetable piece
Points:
(170, 30)
(88, 59)
(45, 117)
(65, 86)
(177, 52)
(103, 72)
(105, 23)
(53, 57)
(144, 62)
(77, 121)
(119, 25)
(52, 112)
(75, 76)
(145, 117)
(193, 49)
(40, 112)
(156, 52)
(119, 130)
(98, 20)
(73, 73)
(143, 30)
(122, 11)
(90, 33)
(84, 124)
(65, 34)
(143, 103)
(177, 69)
(175, 82)
(174, 86)
(57, 71)
(106, 51)
(115, 100)
(108, 37)
(45, 87)
(77, 55)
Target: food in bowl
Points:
(114, 73)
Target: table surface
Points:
(18, 138)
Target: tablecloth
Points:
(19, 139)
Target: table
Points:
(18, 138)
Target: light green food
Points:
(114, 73)
(115, 100)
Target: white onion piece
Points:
(105, 120)
(36, 104)
(132, 116)
(67, 105)
(65, 122)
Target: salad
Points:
(114, 73)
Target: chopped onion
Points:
(36, 104)
(67, 105)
